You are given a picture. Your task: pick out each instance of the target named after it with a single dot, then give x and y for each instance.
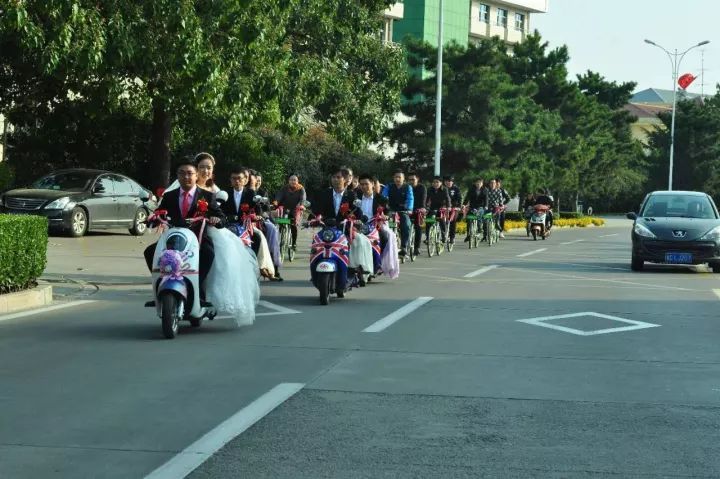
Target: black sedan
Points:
(676, 227)
(78, 200)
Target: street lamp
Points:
(675, 64)
(438, 97)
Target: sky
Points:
(606, 36)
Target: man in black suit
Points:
(328, 202)
(182, 204)
(370, 202)
(239, 195)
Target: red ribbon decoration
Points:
(685, 80)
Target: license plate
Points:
(679, 258)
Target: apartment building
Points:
(464, 20)
(391, 15)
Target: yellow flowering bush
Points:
(583, 222)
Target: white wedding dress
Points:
(232, 282)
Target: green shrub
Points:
(23, 251)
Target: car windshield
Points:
(68, 181)
(679, 206)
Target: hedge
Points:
(520, 216)
(560, 222)
(23, 251)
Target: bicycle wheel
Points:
(411, 243)
(471, 233)
(491, 232)
(431, 243)
(289, 252)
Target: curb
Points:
(23, 300)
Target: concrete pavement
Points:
(458, 388)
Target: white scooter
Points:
(537, 222)
(175, 277)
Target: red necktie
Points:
(185, 204)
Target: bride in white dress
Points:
(232, 282)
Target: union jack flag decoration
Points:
(321, 249)
(374, 237)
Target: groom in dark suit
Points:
(328, 202)
(182, 204)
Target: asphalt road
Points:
(479, 381)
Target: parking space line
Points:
(392, 318)
(531, 252)
(481, 271)
(201, 450)
(47, 309)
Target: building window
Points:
(520, 22)
(484, 13)
(386, 34)
(502, 17)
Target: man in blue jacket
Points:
(400, 199)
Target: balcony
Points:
(396, 11)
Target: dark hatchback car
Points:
(78, 200)
(676, 227)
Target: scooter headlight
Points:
(176, 242)
(365, 229)
(328, 236)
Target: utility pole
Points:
(438, 97)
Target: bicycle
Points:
(435, 242)
(449, 245)
(492, 228)
(473, 219)
(394, 224)
(284, 224)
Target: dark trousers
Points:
(207, 256)
(418, 236)
(453, 227)
(501, 220)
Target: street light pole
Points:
(438, 97)
(675, 64)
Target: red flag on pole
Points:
(685, 80)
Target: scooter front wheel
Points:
(170, 319)
(323, 285)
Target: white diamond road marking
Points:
(276, 310)
(544, 322)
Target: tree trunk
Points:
(160, 145)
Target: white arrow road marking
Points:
(531, 252)
(481, 271)
(391, 318)
(276, 310)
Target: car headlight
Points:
(712, 235)
(642, 230)
(58, 204)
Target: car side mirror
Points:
(98, 189)
(631, 216)
(144, 195)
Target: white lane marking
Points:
(201, 450)
(481, 271)
(573, 242)
(33, 312)
(717, 292)
(531, 252)
(634, 324)
(608, 236)
(391, 318)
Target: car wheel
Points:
(636, 264)
(715, 267)
(139, 227)
(78, 222)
